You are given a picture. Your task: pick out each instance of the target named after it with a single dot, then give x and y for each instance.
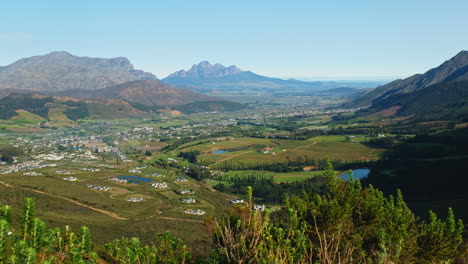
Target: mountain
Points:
(59, 71)
(205, 77)
(144, 92)
(439, 94)
(455, 69)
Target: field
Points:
(256, 150)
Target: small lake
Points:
(134, 179)
(357, 174)
(221, 151)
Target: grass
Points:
(30, 117)
(334, 147)
(57, 115)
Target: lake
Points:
(357, 174)
(221, 151)
(134, 179)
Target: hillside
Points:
(39, 107)
(455, 69)
(149, 93)
(443, 101)
(59, 71)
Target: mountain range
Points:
(205, 77)
(95, 84)
(93, 81)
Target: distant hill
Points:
(59, 71)
(439, 94)
(149, 93)
(130, 99)
(42, 106)
(455, 69)
(205, 77)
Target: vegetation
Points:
(348, 224)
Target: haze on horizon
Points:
(332, 40)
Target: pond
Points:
(221, 151)
(134, 179)
(357, 174)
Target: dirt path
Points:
(113, 215)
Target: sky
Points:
(314, 39)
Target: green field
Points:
(251, 150)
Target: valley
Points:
(144, 157)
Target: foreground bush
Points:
(348, 224)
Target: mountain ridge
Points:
(440, 93)
(453, 69)
(60, 70)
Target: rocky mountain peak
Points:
(206, 70)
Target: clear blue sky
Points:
(315, 38)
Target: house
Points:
(259, 208)
(187, 192)
(114, 179)
(181, 179)
(195, 211)
(160, 185)
(99, 188)
(189, 200)
(237, 201)
(309, 168)
(135, 200)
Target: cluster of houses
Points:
(160, 185)
(91, 169)
(70, 178)
(27, 165)
(99, 188)
(63, 172)
(195, 211)
(33, 173)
